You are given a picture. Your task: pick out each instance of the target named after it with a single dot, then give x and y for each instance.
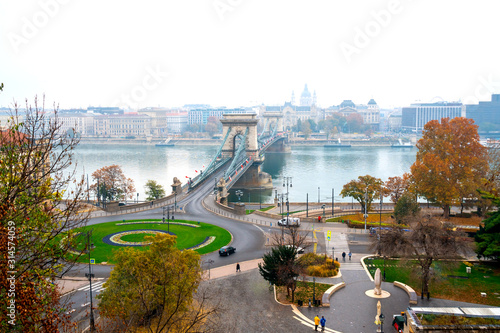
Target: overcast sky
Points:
(246, 52)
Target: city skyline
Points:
(236, 53)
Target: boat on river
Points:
(402, 144)
(166, 143)
(338, 144)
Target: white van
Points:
(289, 222)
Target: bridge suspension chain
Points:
(237, 156)
(214, 164)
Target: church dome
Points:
(372, 102)
(347, 104)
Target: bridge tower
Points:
(237, 124)
(245, 125)
(271, 119)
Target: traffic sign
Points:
(92, 261)
(328, 237)
(328, 233)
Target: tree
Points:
(111, 184)
(368, 186)
(427, 241)
(280, 267)
(156, 289)
(450, 162)
(488, 236)
(306, 129)
(154, 190)
(355, 122)
(406, 207)
(397, 186)
(35, 171)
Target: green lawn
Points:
(186, 236)
(450, 280)
(304, 292)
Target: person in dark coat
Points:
(343, 256)
(238, 267)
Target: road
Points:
(249, 241)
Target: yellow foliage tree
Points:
(450, 162)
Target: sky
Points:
(233, 53)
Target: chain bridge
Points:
(242, 152)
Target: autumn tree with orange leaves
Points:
(397, 186)
(36, 219)
(450, 162)
(111, 183)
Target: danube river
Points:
(314, 170)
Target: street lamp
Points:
(323, 211)
(239, 194)
(382, 317)
(92, 323)
(210, 262)
(366, 205)
(137, 197)
(333, 202)
(168, 217)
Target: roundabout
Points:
(117, 238)
(108, 237)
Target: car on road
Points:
(299, 249)
(226, 250)
(289, 222)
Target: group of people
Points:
(343, 256)
(318, 321)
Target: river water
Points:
(314, 170)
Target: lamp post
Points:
(239, 194)
(323, 211)
(168, 217)
(333, 202)
(288, 182)
(92, 324)
(137, 197)
(175, 202)
(210, 262)
(382, 317)
(366, 205)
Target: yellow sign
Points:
(328, 233)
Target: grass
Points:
(135, 237)
(186, 236)
(266, 209)
(304, 292)
(358, 218)
(438, 319)
(450, 280)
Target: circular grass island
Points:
(112, 236)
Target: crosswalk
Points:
(351, 266)
(96, 287)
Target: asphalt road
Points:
(248, 240)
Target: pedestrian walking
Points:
(316, 322)
(323, 323)
(238, 267)
(350, 254)
(343, 256)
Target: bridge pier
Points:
(255, 178)
(279, 146)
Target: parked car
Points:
(299, 249)
(289, 222)
(226, 250)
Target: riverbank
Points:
(295, 142)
